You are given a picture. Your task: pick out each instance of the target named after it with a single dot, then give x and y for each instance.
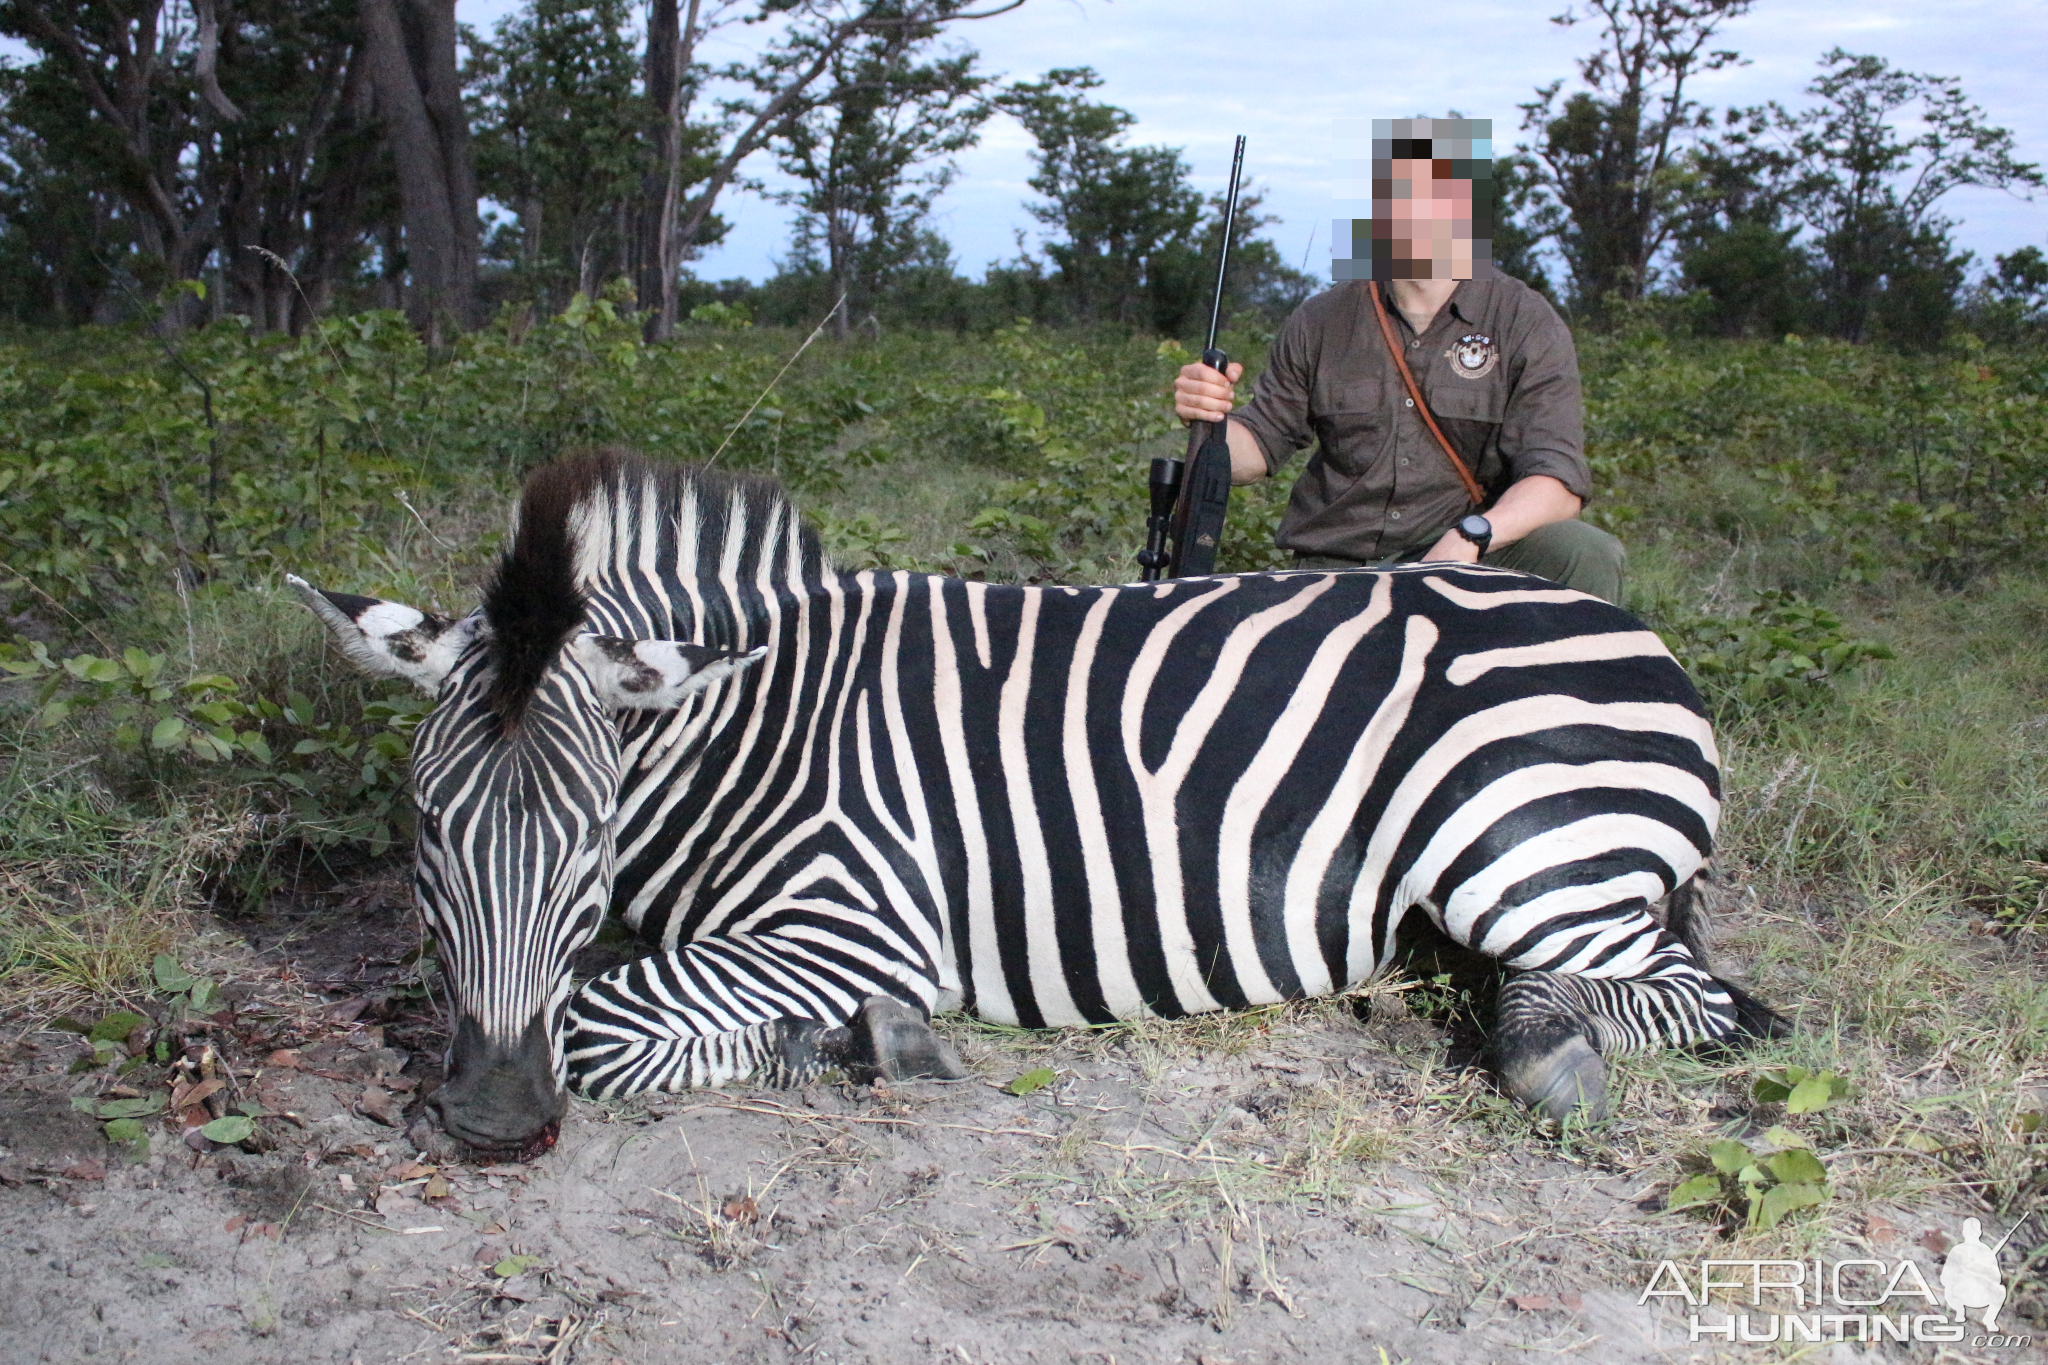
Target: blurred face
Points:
(1429, 214)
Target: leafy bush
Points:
(1857, 458)
(1761, 1185)
(1757, 1186)
(340, 782)
(1785, 652)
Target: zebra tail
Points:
(1689, 919)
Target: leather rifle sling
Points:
(1379, 308)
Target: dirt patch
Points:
(1297, 1184)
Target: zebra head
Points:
(516, 777)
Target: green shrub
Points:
(1786, 651)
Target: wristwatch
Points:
(1478, 530)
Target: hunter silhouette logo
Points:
(1969, 1275)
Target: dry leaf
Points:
(234, 1224)
(1878, 1228)
(1936, 1241)
(379, 1104)
(394, 1206)
(345, 1011)
(285, 1057)
(92, 1168)
(437, 1188)
(187, 1096)
(1572, 1299)
(741, 1208)
(1532, 1303)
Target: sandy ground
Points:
(1151, 1203)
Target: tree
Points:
(141, 150)
(2012, 300)
(1181, 274)
(299, 163)
(1605, 153)
(789, 75)
(1119, 210)
(558, 122)
(1516, 244)
(865, 197)
(410, 49)
(1868, 192)
(112, 73)
(1736, 246)
(667, 85)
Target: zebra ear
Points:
(654, 675)
(388, 639)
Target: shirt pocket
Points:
(1353, 422)
(1470, 400)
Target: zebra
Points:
(830, 803)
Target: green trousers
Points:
(1573, 553)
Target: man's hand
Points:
(1454, 546)
(1202, 395)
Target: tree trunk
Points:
(409, 46)
(657, 248)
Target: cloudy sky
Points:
(1197, 72)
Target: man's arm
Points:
(1529, 503)
(1202, 395)
(1542, 434)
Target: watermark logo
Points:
(1871, 1300)
(1970, 1278)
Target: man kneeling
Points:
(1489, 359)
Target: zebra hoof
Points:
(1565, 1080)
(889, 1040)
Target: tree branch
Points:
(203, 65)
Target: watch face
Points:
(1476, 527)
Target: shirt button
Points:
(1416, 342)
(1393, 516)
(1409, 401)
(1404, 459)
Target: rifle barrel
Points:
(1223, 256)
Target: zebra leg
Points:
(734, 1009)
(1685, 915)
(1610, 981)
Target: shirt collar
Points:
(1465, 303)
(1465, 300)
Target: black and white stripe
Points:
(1063, 806)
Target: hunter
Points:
(1492, 467)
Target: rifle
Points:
(1190, 497)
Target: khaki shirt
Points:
(1497, 368)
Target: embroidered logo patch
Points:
(1473, 356)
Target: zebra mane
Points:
(695, 522)
(532, 603)
(586, 516)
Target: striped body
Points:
(1064, 806)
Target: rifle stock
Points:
(1204, 500)
(1199, 487)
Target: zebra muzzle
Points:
(498, 1097)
